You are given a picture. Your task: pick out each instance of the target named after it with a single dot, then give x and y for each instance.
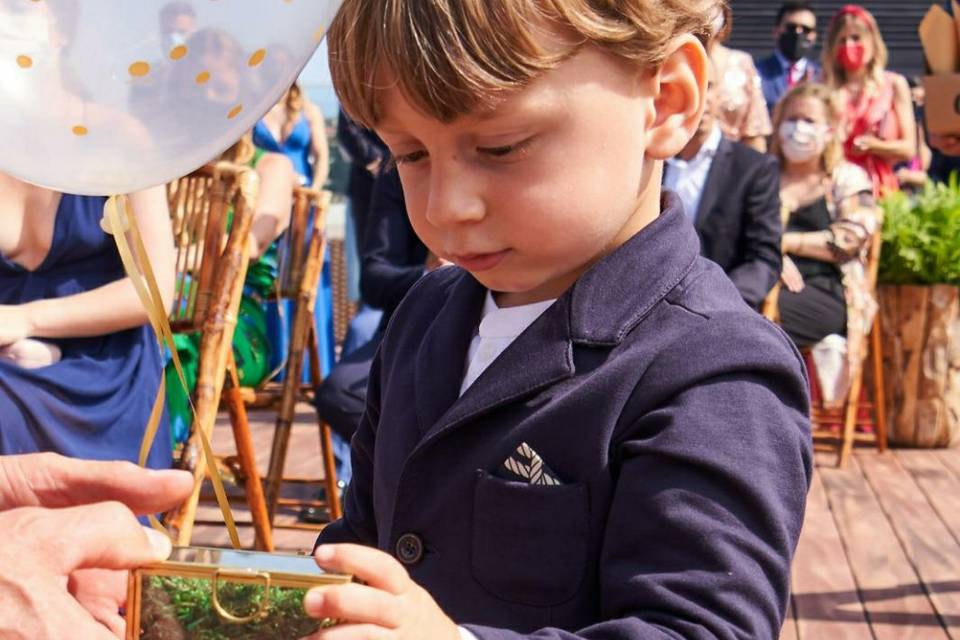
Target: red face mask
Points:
(851, 56)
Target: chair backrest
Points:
(202, 205)
(307, 222)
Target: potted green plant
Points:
(920, 315)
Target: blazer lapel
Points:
(542, 355)
(717, 179)
(441, 358)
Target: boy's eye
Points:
(504, 150)
(409, 158)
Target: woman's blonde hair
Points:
(834, 74)
(451, 57)
(833, 151)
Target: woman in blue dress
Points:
(79, 367)
(295, 127)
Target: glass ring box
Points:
(219, 594)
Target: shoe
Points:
(321, 515)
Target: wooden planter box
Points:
(921, 355)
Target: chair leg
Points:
(326, 445)
(879, 391)
(303, 320)
(850, 420)
(248, 462)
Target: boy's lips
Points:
(479, 261)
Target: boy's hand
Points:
(388, 606)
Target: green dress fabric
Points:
(251, 345)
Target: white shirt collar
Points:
(508, 322)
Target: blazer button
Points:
(409, 548)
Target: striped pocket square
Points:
(526, 465)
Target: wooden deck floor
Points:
(879, 557)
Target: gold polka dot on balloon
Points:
(235, 112)
(203, 77)
(178, 52)
(25, 62)
(139, 69)
(257, 57)
(80, 130)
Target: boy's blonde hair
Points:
(833, 151)
(451, 57)
(833, 73)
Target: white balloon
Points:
(102, 97)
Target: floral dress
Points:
(742, 109)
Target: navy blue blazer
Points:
(738, 219)
(674, 415)
(774, 80)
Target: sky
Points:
(315, 79)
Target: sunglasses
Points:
(801, 28)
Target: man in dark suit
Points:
(732, 194)
(795, 35)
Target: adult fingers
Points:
(355, 603)
(101, 536)
(51, 480)
(101, 592)
(366, 564)
(70, 620)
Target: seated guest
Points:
(79, 366)
(831, 217)
(792, 61)
(743, 114)
(252, 348)
(730, 193)
(393, 259)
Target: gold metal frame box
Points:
(220, 594)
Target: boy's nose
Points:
(453, 200)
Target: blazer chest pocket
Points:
(529, 541)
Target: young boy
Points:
(581, 431)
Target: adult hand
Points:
(63, 568)
(43, 548)
(388, 605)
(790, 276)
(31, 354)
(15, 323)
(948, 145)
(866, 143)
(53, 481)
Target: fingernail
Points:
(313, 601)
(159, 542)
(324, 553)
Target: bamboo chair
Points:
(850, 414)
(211, 267)
(300, 271)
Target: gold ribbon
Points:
(115, 207)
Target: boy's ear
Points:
(679, 98)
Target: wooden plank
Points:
(789, 630)
(889, 588)
(940, 486)
(825, 596)
(949, 458)
(931, 547)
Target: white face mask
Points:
(802, 141)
